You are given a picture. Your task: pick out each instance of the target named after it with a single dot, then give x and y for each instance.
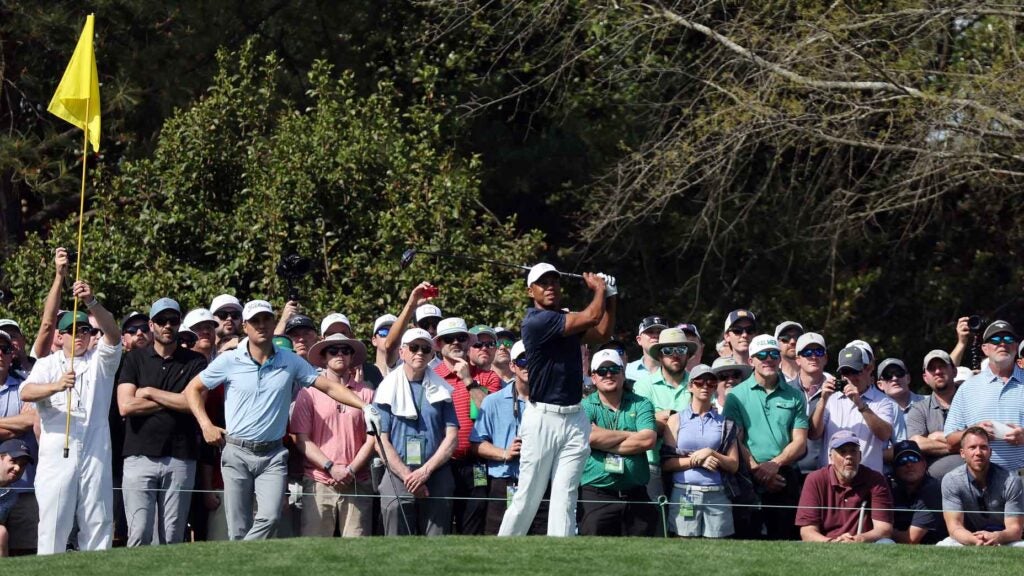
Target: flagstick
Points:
(78, 268)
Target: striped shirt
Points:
(985, 397)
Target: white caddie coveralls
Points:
(81, 486)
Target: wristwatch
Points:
(472, 385)
(864, 408)
(328, 465)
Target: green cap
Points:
(483, 329)
(283, 342)
(65, 321)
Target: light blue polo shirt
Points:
(985, 397)
(497, 423)
(10, 405)
(256, 398)
(431, 425)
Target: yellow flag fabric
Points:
(77, 99)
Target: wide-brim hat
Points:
(728, 364)
(672, 337)
(315, 356)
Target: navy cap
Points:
(16, 448)
(299, 321)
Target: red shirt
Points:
(460, 396)
(835, 508)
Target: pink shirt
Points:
(338, 430)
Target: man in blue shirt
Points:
(555, 430)
(260, 381)
(992, 399)
(418, 433)
(495, 438)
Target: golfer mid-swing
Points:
(555, 431)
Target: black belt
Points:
(257, 446)
(618, 494)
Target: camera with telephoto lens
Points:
(292, 268)
(974, 323)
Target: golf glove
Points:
(372, 417)
(610, 289)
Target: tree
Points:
(854, 165)
(244, 177)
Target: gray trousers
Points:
(427, 516)
(246, 473)
(157, 496)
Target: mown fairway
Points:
(570, 557)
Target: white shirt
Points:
(842, 414)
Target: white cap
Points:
(9, 322)
(786, 326)
(606, 355)
(332, 319)
(518, 349)
(808, 338)
(539, 270)
(225, 301)
(427, 311)
(962, 374)
(450, 326)
(197, 316)
(413, 334)
(864, 347)
(762, 343)
(387, 319)
(254, 307)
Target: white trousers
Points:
(79, 488)
(556, 445)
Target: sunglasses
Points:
(812, 353)
(419, 348)
(893, 375)
(428, 324)
(383, 332)
(504, 343)
(908, 459)
(335, 350)
(730, 375)
(222, 315)
(848, 372)
(675, 351)
(479, 345)
(705, 383)
(461, 339)
(1005, 339)
(167, 321)
(521, 362)
(81, 331)
(143, 328)
(787, 338)
(766, 354)
(606, 371)
(7, 350)
(742, 330)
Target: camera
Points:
(974, 323)
(292, 268)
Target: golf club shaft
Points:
(494, 262)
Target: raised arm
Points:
(406, 316)
(48, 322)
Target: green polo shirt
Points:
(634, 414)
(664, 397)
(768, 418)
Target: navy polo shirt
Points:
(553, 359)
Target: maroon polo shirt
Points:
(834, 508)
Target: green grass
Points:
(522, 556)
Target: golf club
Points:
(411, 253)
(394, 485)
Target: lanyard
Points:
(618, 413)
(419, 404)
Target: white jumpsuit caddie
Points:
(79, 487)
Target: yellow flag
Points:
(77, 99)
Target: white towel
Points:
(394, 391)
